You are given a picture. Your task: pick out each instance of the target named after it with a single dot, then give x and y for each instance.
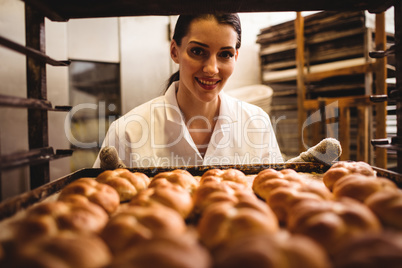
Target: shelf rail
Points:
(31, 52)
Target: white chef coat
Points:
(155, 134)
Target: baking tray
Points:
(12, 205)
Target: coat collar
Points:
(227, 113)
(172, 110)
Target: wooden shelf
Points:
(63, 10)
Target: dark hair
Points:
(183, 26)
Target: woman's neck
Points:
(200, 119)
(192, 108)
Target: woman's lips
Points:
(207, 83)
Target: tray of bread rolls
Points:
(282, 215)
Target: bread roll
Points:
(223, 221)
(211, 192)
(126, 183)
(332, 222)
(179, 177)
(279, 250)
(167, 194)
(60, 251)
(220, 175)
(370, 251)
(136, 224)
(343, 168)
(387, 205)
(360, 187)
(98, 193)
(167, 251)
(270, 179)
(282, 199)
(75, 215)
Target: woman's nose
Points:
(211, 66)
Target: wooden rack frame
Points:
(363, 103)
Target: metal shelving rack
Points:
(39, 154)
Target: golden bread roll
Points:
(179, 177)
(98, 193)
(126, 183)
(134, 224)
(370, 251)
(343, 168)
(282, 199)
(360, 187)
(167, 251)
(62, 251)
(167, 194)
(75, 214)
(211, 192)
(270, 179)
(387, 205)
(331, 222)
(279, 250)
(223, 221)
(219, 175)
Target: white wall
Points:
(145, 59)
(94, 39)
(57, 93)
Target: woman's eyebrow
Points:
(199, 43)
(205, 45)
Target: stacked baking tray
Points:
(11, 206)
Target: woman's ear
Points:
(174, 51)
(236, 54)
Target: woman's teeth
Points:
(209, 83)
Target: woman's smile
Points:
(208, 84)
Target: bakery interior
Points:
(328, 69)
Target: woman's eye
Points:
(197, 51)
(227, 54)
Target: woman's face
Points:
(206, 58)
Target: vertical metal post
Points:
(36, 88)
(398, 60)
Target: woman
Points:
(195, 122)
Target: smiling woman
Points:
(195, 122)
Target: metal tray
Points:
(12, 205)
